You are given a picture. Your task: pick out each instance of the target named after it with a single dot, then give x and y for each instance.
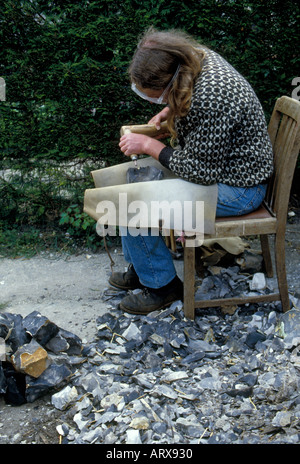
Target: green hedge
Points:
(67, 94)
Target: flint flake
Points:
(175, 376)
(63, 398)
(40, 327)
(140, 423)
(132, 332)
(133, 437)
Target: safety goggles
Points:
(159, 100)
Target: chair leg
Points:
(189, 282)
(173, 241)
(264, 242)
(167, 240)
(170, 241)
(281, 271)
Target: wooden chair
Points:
(270, 218)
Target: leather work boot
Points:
(125, 280)
(149, 300)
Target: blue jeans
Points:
(236, 201)
(149, 254)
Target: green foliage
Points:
(77, 223)
(67, 94)
(14, 242)
(29, 240)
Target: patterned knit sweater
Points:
(223, 138)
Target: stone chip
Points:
(31, 359)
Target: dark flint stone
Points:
(112, 408)
(152, 361)
(248, 379)
(39, 327)
(130, 366)
(131, 345)
(213, 355)
(74, 342)
(197, 356)
(11, 326)
(160, 427)
(125, 355)
(251, 262)
(254, 337)
(237, 430)
(3, 383)
(105, 332)
(111, 322)
(87, 350)
(15, 391)
(143, 174)
(15, 386)
(133, 395)
(168, 350)
(57, 344)
(146, 331)
(101, 345)
(179, 340)
(163, 329)
(278, 344)
(52, 377)
(243, 392)
(193, 332)
(5, 325)
(250, 310)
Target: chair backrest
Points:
(284, 131)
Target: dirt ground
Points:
(67, 289)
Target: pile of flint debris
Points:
(36, 355)
(226, 377)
